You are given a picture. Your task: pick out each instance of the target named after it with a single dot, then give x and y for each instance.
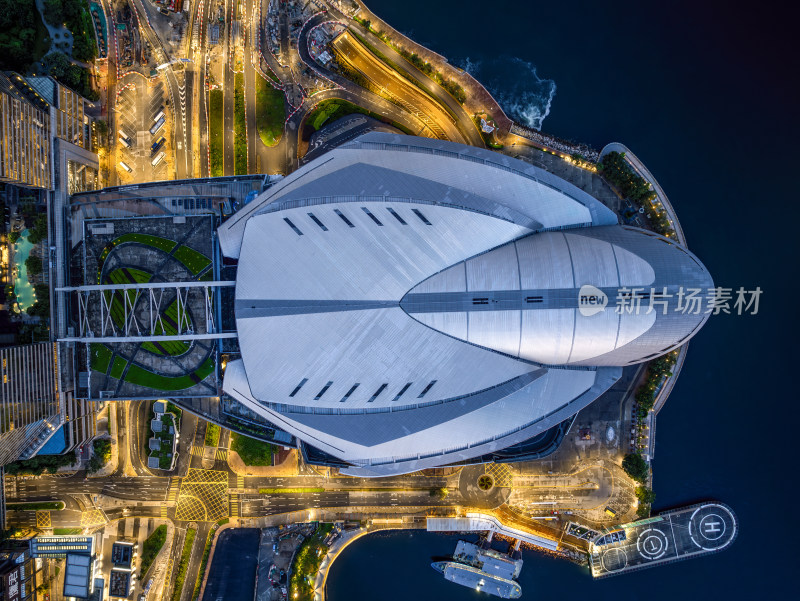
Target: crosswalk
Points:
(197, 451)
(164, 510)
(172, 491)
(222, 454)
(234, 506)
(239, 481)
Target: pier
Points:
(669, 537)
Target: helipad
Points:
(671, 536)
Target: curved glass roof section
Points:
(401, 294)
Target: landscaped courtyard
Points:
(152, 250)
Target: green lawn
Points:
(173, 348)
(100, 357)
(212, 435)
(239, 127)
(329, 111)
(270, 112)
(66, 531)
(180, 574)
(193, 260)
(252, 451)
(118, 368)
(154, 241)
(151, 547)
(142, 377)
(215, 132)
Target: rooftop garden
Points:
(166, 452)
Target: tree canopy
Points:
(20, 30)
(636, 467)
(630, 184)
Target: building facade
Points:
(29, 406)
(35, 113)
(25, 140)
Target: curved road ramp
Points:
(671, 536)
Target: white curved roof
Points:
(401, 303)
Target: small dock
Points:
(669, 537)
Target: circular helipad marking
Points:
(711, 526)
(652, 544)
(614, 559)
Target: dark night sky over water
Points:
(706, 95)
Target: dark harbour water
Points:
(705, 93)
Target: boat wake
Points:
(514, 83)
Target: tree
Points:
(101, 455)
(34, 265)
(13, 237)
(59, 66)
(102, 127)
(645, 495)
(636, 467)
(53, 12)
(39, 230)
(42, 306)
(37, 465)
(20, 28)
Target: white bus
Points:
(159, 124)
(125, 166)
(157, 117)
(122, 133)
(159, 158)
(125, 142)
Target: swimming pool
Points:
(26, 296)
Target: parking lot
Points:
(137, 107)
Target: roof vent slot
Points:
(318, 222)
(378, 392)
(426, 389)
(402, 391)
(293, 226)
(345, 219)
(323, 391)
(533, 299)
(349, 392)
(396, 216)
(480, 301)
(371, 216)
(422, 217)
(299, 386)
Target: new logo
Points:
(591, 300)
